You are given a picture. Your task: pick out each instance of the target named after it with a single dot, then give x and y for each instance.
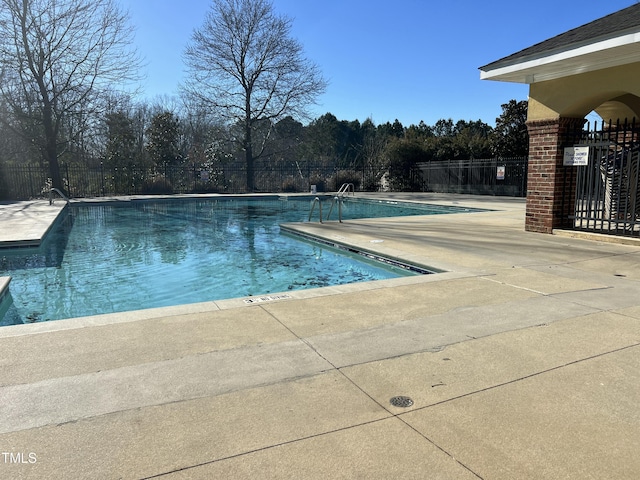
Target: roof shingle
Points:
(610, 26)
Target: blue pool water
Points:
(108, 258)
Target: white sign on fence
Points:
(500, 173)
(576, 156)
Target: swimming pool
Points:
(105, 258)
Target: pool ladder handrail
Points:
(56, 190)
(337, 199)
(317, 201)
(346, 188)
(313, 206)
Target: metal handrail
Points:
(345, 188)
(59, 193)
(335, 200)
(313, 206)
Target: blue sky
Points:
(409, 60)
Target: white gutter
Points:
(524, 72)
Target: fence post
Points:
(494, 177)
(66, 169)
(102, 178)
(525, 171)
(30, 181)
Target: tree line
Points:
(65, 65)
(152, 136)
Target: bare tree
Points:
(57, 59)
(245, 65)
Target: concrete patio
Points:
(521, 361)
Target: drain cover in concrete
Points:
(403, 402)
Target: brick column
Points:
(547, 178)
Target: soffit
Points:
(607, 53)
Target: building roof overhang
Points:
(611, 41)
(612, 52)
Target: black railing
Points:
(605, 188)
(26, 182)
(493, 176)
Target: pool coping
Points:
(28, 222)
(294, 231)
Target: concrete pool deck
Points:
(522, 360)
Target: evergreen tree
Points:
(510, 138)
(163, 140)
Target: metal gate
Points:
(607, 197)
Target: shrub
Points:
(403, 157)
(345, 176)
(372, 183)
(156, 186)
(289, 185)
(208, 187)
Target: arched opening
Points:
(593, 117)
(608, 106)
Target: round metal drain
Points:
(402, 402)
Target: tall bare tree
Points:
(57, 59)
(244, 63)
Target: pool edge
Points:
(416, 267)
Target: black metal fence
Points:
(605, 186)
(493, 176)
(26, 182)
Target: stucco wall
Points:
(613, 92)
